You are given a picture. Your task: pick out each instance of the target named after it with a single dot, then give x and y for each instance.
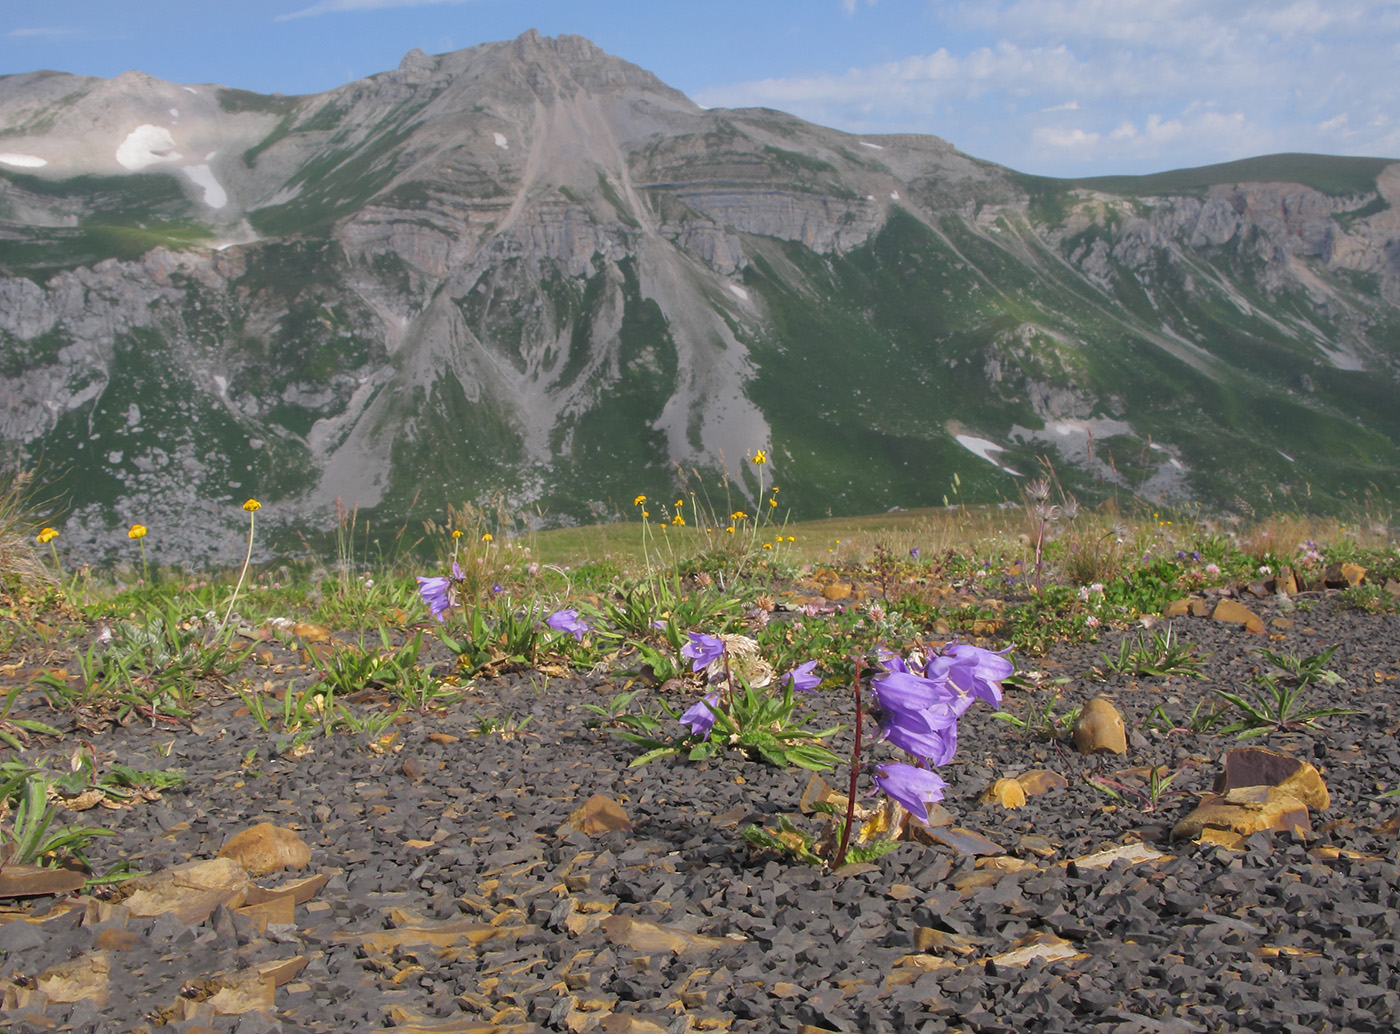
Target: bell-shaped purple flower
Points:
(977, 671)
(440, 594)
(567, 621)
(804, 678)
(905, 691)
(703, 649)
(930, 734)
(701, 717)
(914, 788)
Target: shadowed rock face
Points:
(531, 268)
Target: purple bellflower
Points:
(701, 717)
(440, 594)
(914, 788)
(803, 678)
(567, 621)
(703, 649)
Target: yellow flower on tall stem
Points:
(138, 532)
(252, 506)
(45, 538)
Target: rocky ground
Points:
(459, 878)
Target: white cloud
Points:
(342, 6)
(1163, 82)
(39, 33)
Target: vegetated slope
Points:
(532, 268)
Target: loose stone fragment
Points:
(1041, 780)
(22, 881)
(1099, 729)
(1177, 608)
(1038, 945)
(248, 990)
(1258, 766)
(963, 841)
(266, 848)
(1131, 853)
(1007, 792)
(72, 981)
(641, 935)
(191, 891)
(1246, 810)
(1355, 574)
(309, 633)
(1233, 612)
(599, 814)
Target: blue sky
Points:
(1057, 87)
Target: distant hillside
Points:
(532, 268)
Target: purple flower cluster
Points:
(567, 621)
(921, 700)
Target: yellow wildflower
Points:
(488, 537)
(768, 545)
(46, 535)
(772, 502)
(730, 529)
(639, 500)
(738, 515)
(678, 521)
(646, 513)
(680, 502)
(138, 531)
(252, 505)
(457, 533)
(760, 456)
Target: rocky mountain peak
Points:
(531, 268)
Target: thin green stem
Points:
(252, 520)
(855, 774)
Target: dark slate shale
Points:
(1284, 935)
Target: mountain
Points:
(533, 269)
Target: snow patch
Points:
(1285, 455)
(114, 457)
(191, 89)
(23, 161)
(501, 141)
(738, 292)
(222, 384)
(201, 176)
(147, 145)
(983, 448)
(873, 147)
(894, 195)
(175, 113)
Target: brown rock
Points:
(641, 935)
(72, 981)
(309, 633)
(600, 814)
(1200, 608)
(1007, 792)
(1392, 587)
(1099, 729)
(191, 891)
(1355, 574)
(23, 881)
(1246, 810)
(1040, 944)
(962, 841)
(1235, 613)
(248, 990)
(1257, 766)
(837, 591)
(1177, 608)
(266, 848)
(1281, 624)
(1041, 780)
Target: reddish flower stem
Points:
(855, 774)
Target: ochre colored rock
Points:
(266, 848)
(1099, 729)
(1200, 608)
(1258, 766)
(1177, 608)
(1041, 780)
(1355, 574)
(837, 591)
(76, 979)
(1007, 792)
(600, 814)
(191, 891)
(1235, 613)
(1246, 810)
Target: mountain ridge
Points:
(534, 269)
